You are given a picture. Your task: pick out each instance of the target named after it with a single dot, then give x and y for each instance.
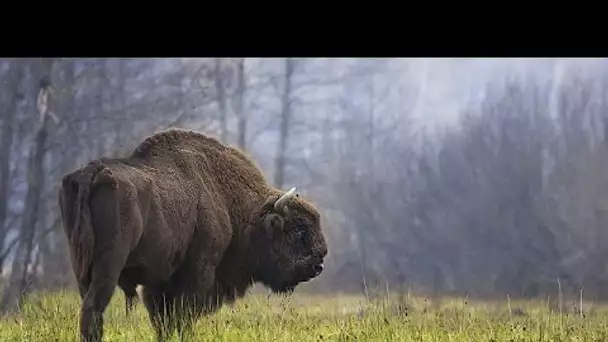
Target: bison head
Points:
(290, 244)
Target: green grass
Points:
(54, 317)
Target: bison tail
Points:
(81, 237)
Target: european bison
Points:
(191, 220)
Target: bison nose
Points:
(318, 269)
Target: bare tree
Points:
(239, 107)
(285, 121)
(13, 78)
(221, 99)
(13, 294)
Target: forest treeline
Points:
(511, 198)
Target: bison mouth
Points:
(303, 274)
(310, 273)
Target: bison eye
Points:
(300, 233)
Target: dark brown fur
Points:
(189, 219)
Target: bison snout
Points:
(316, 268)
(312, 269)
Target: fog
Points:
(482, 177)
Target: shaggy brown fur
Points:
(192, 221)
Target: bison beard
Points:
(192, 221)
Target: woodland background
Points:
(452, 176)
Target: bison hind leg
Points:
(97, 298)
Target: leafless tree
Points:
(12, 95)
(18, 281)
(239, 107)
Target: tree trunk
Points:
(239, 106)
(53, 248)
(221, 99)
(34, 279)
(120, 130)
(13, 294)
(15, 75)
(101, 83)
(279, 176)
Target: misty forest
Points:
(477, 177)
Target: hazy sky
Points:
(447, 84)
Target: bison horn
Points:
(280, 203)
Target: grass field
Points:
(302, 317)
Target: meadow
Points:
(306, 317)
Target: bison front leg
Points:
(198, 296)
(189, 308)
(184, 317)
(162, 312)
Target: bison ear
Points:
(272, 222)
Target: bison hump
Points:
(172, 140)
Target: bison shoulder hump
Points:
(173, 139)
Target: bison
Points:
(191, 220)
